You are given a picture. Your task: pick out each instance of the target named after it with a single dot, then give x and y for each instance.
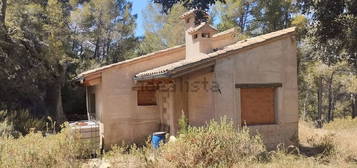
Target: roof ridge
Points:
(253, 40)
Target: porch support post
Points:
(87, 102)
(178, 98)
(171, 111)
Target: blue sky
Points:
(138, 6)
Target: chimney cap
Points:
(203, 25)
(191, 13)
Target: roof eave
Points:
(150, 77)
(179, 71)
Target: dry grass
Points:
(340, 135)
(218, 144)
(329, 147)
(35, 150)
(215, 145)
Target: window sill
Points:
(147, 105)
(252, 125)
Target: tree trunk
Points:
(330, 98)
(3, 12)
(61, 80)
(354, 105)
(305, 102)
(333, 105)
(54, 96)
(319, 103)
(58, 106)
(96, 50)
(3, 31)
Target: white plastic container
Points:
(87, 130)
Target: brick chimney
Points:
(197, 37)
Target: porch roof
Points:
(189, 65)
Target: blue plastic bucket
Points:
(157, 137)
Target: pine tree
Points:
(162, 31)
(104, 30)
(236, 13)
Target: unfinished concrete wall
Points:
(224, 99)
(123, 119)
(165, 105)
(273, 62)
(200, 98)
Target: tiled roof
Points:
(164, 71)
(252, 41)
(153, 54)
(168, 70)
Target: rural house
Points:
(252, 82)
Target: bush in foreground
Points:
(216, 144)
(35, 150)
(219, 144)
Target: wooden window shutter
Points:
(146, 97)
(257, 105)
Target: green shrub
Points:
(35, 150)
(21, 122)
(216, 144)
(183, 124)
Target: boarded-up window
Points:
(146, 97)
(257, 105)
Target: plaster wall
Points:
(99, 102)
(195, 49)
(273, 62)
(200, 98)
(189, 39)
(124, 121)
(222, 41)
